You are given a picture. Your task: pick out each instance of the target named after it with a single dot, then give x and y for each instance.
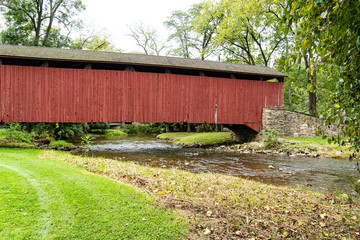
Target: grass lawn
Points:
(189, 138)
(44, 198)
(227, 207)
(60, 143)
(109, 132)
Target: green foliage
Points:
(270, 138)
(39, 23)
(144, 128)
(193, 31)
(57, 130)
(60, 143)
(180, 22)
(242, 29)
(86, 141)
(17, 134)
(70, 130)
(330, 29)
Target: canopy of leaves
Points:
(247, 30)
(331, 28)
(39, 22)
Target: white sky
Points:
(114, 16)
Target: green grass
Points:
(315, 140)
(60, 143)
(323, 145)
(197, 138)
(231, 207)
(109, 132)
(44, 198)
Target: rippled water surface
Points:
(326, 175)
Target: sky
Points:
(114, 16)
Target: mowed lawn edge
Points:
(226, 207)
(42, 198)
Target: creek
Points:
(318, 174)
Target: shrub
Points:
(57, 131)
(271, 138)
(17, 134)
(145, 128)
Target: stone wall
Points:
(292, 124)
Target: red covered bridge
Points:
(59, 85)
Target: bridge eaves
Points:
(71, 55)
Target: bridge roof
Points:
(71, 55)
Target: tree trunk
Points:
(290, 97)
(312, 82)
(287, 72)
(312, 94)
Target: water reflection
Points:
(324, 175)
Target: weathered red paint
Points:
(42, 94)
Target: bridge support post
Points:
(242, 133)
(188, 127)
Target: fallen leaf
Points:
(207, 231)
(322, 224)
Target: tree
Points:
(207, 19)
(194, 31)
(330, 29)
(248, 31)
(181, 22)
(99, 41)
(39, 22)
(147, 38)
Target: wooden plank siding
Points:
(44, 94)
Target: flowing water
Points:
(325, 175)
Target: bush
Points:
(71, 130)
(59, 131)
(145, 128)
(271, 138)
(17, 134)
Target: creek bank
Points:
(283, 147)
(293, 147)
(196, 140)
